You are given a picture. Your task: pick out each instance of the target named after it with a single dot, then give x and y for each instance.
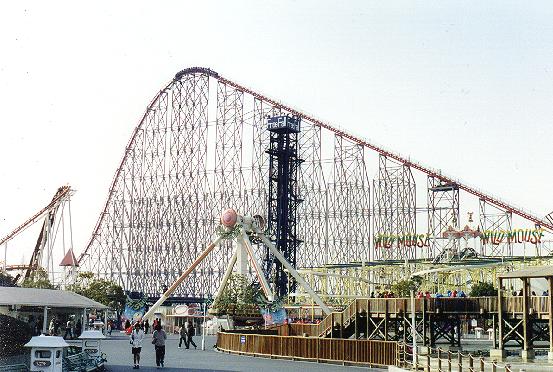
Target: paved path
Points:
(119, 357)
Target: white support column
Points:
(105, 322)
(228, 272)
(241, 257)
(294, 273)
(257, 267)
(45, 320)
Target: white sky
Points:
(466, 87)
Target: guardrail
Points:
(362, 352)
(440, 360)
(336, 321)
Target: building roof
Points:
(46, 297)
(530, 272)
(69, 259)
(47, 342)
(91, 335)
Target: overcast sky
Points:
(465, 87)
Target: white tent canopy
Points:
(46, 297)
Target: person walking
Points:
(189, 334)
(146, 326)
(52, 327)
(183, 337)
(158, 339)
(78, 328)
(68, 329)
(137, 336)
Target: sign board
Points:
(287, 123)
(242, 339)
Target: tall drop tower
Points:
(283, 200)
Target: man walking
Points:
(189, 334)
(68, 329)
(183, 337)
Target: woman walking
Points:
(137, 336)
(158, 339)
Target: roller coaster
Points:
(201, 147)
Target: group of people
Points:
(186, 332)
(519, 293)
(449, 293)
(385, 294)
(71, 328)
(158, 340)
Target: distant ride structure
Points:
(55, 233)
(205, 144)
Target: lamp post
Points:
(414, 329)
(206, 302)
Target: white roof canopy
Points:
(47, 341)
(46, 297)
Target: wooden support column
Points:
(550, 303)
(386, 319)
(528, 348)
(368, 317)
(424, 335)
(500, 314)
(431, 330)
(494, 334)
(499, 353)
(356, 332)
(332, 326)
(525, 296)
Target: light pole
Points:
(203, 326)
(414, 329)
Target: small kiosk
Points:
(46, 353)
(91, 345)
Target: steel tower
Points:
(283, 204)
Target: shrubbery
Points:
(483, 289)
(13, 335)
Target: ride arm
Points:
(294, 273)
(171, 289)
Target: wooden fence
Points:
(364, 352)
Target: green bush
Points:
(483, 289)
(404, 287)
(13, 335)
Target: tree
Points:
(404, 287)
(38, 279)
(239, 295)
(6, 280)
(483, 289)
(101, 290)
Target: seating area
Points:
(81, 362)
(14, 368)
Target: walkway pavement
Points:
(119, 357)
